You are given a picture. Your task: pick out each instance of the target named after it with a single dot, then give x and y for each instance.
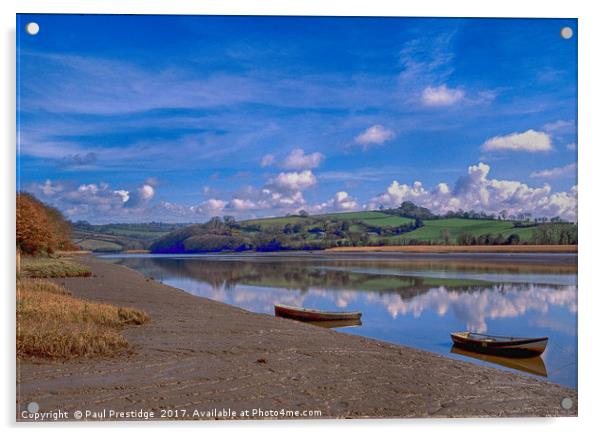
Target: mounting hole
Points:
(566, 32)
(32, 28)
(566, 403)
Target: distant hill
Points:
(119, 237)
(406, 225)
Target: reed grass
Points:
(48, 267)
(52, 324)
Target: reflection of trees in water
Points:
(473, 303)
(292, 275)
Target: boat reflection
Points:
(530, 365)
(337, 323)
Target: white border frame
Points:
(590, 74)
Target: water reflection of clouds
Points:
(475, 307)
(257, 299)
(472, 307)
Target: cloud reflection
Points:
(472, 307)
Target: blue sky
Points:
(178, 118)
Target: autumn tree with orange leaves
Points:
(41, 229)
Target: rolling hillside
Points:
(433, 231)
(401, 226)
(118, 237)
(406, 225)
(372, 218)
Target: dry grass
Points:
(72, 252)
(48, 267)
(463, 249)
(52, 324)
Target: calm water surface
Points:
(414, 302)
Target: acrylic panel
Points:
(287, 217)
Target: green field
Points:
(99, 245)
(279, 221)
(372, 218)
(353, 215)
(433, 229)
(387, 221)
(119, 237)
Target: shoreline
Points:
(460, 249)
(559, 262)
(203, 354)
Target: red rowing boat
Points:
(302, 314)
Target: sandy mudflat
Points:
(198, 354)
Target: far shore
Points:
(461, 249)
(200, 354)
(424, 249)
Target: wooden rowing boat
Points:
(500, 345)
(302, 314)
(532, 365)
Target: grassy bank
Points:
(49, 267)
(52, 324)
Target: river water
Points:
(410, 300)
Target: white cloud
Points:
(375, 135)
(50, 188)
(477, 191)
(441, 96)
(90, 200)
(210, 207)
(267, 160)
(125, 195)
(241, 204)
(531, 141)
(554, 173)
(281, 194)
(141, 197)
(146, 192)
(284, 201)
(214, 204)
(89, 189)
(293, 181)
(560, 126)
(572, 146)
(298, 160)
(341, 201)
(97, 201)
